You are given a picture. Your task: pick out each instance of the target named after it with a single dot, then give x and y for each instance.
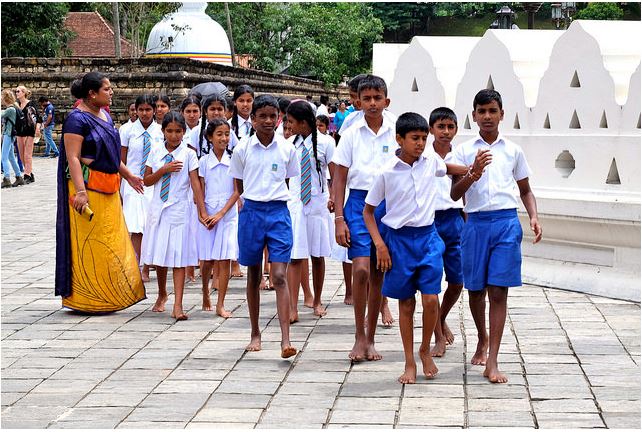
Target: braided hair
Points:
(204, 121)
(302, 111)
(238, 92)
(210, 129)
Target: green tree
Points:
(34, 29)
(600, 11)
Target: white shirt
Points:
(195, 133)
(219, 185)
(134, 141)
(245, 126)
(179, 185)
(355, 116)
(365, 153)
(409, 191)
(264, 169)
(443, 185)
(325, 151)
(322, 110)
(497, 188)
(122, 130)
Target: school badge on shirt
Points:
(385, 149)
(274, 167)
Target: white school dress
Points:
(136, 205)
(311, 222)
(203, 146)
(167, 241)
(219, 243)
(192, 211)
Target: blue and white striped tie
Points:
(147, 146)
(164, 192)
(306, 176)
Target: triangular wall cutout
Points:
(490, 85)
(614, 175)
(414, 87)
(547, 122)
(575, 122)
(575, 81)
(639, 117)
(603, 123)
(467, 123)
(516, 123)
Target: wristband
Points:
(339, 217)
(81, 191)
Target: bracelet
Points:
(339, 217)
(81, 191)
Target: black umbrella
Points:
(210, 88)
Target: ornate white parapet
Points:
(572, 101)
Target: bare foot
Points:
(159, 306)
(255, 344)
(429, 366)
(347, 300)
(450, 338)
(179, 315)
(192, 279)
(145, 276)
(207, 304)
(236, 270)
(480, 355)
(494, 375)
(288, 351)
(213, 287)
(372, 354)
(439, 349)
(320, 311)
(386, 316)
(409, 374)
(359, 352)
(308, 302)
(294, 317)
(220, 311)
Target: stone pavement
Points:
(572, 359)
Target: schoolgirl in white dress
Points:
(217, 241)
(173, 170)
(308, 203)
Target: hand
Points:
(136, 183)
(537, 230)
(342, 233)
(204, 218)
(214, 219)
(80, 201)
(331, 205)
(483, 158)
(384, 262)
(173, 166)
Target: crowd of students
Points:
(260, 181)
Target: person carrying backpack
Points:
(26, 130)
(8, 135)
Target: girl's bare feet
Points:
(439, 349)
(359, 351)
(450, 338)
(347, 299)
(294, 317)
(372, 354)
(178, 314)
(494, 375)
(159, 306)
(236, 270)
(144, 274)
(480, 354)
(255, 344)
(409, 374)
(308, 301)
(287, 351)
(386, 315)
(220, 311)
(320, 311)
(429, 366)
(207, 304)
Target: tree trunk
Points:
(116, 23)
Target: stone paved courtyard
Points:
(573, 360)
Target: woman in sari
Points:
(96, 267)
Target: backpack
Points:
(20, 119)
(26, 120)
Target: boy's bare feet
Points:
(236, 270)
(347, 300)
(359, 351)
(450, 338)
(372, 354)
(494, 375)
(439, 349)
(481, 354)
(179, 315)
(320, 311)
(409, 374)
(255, 344)
(429, 366)
(220, 311)
(386, 315)
(207, 304)
(308, 302)
(294, 317)
(159, 306)
(287, 351)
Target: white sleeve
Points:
(458, 155)
(202, 166)
(343, 154)
(124, 135)
(440, 166)
(329, 151)
(192, 160)
(377, 192)
(151, 158)
(237, 162)
(293, 167)
(521, 170)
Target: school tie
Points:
(164, 193)
(306, 176)
(147, 146)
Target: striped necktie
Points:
(147, 146)
(306, 175)
(164, 192)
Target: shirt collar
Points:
(500, 139)
(387, 124)
(254, 140)
(212, 160)
(399, 163)
(300, 141)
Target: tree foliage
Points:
(600, 11)
(34, 29)
(325, 41)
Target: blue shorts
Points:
(264, 224)
(449, 224)
(416, 254)
(360, 240)
(491, 248)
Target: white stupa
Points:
(190, 33)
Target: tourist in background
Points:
(48, 112)
(27, 132)
(340, 116)
(8, 138)
(322, 109)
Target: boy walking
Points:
(492, 235)
(47, 127)
(411, 253)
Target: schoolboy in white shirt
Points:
(261, 164)
(492, 235)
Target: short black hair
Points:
(486, 96)
(263, 101)
(372, 82)
(410, 121)
(174, 117)
(145, 99)
(353, 84)
(283, 104)
(442, 113)
(324, 119)
(42, 99)
(324, 99)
